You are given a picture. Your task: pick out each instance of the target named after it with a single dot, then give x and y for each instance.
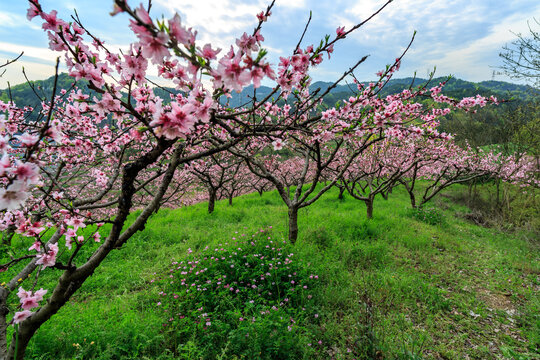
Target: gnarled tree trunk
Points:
(341, 191)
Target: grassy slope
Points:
(395, 287)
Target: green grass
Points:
(400, 286)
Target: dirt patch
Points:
(497, 301)
(476, 217)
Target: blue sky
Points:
(459, 37)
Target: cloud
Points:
(218, 22)
(215, 16)
(299, 4)
(34, 71)
(11, 20)
(459, 37)
(477, 59)
(42, 54)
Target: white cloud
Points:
(459, 37)
(298, 4)
(218, 22)
(462, 37)
(34, 71)
(215, 16)
(475, 61)
(11, 20)
(40, 53)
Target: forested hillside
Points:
(28, 93)
(515, 120)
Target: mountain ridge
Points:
(455, 87)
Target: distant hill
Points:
(455, 88)
(23, 94)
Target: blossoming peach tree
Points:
(71, 176)
(328, 150)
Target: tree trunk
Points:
(211, 200)
(341, 191)
(293, 224)
(473, 189)
(498, 199)
(62, 293)
(413, 199)
(369, 206)
(3, 329)
(230, 199)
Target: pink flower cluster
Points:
(18, 176)
(28, 300)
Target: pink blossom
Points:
(23, 294)
(70, 233)
(247, 43)
(32, 12)
(14, 196)
(106, 105)
(75, 222)
(20, 316)
(261, 16)
(330, 50)
(55, 134)
(143, 15)
(209, 53)
(153, 47)
(35, 246)
(232, 74)
(51, 22)
(5, 164)
(116, 10)
(134, 66)
(178, 122)
(4, 143)
(202, 110)
(39, 294)
(48, 259)
(29, 302)
(257, 74)
(278, 144)
(27, 140)
(26, 171)
(177, 31)
(57, 195)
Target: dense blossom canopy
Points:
(94, 155)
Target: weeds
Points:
(430, 216)
(250, 299)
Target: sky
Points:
(457, 37)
